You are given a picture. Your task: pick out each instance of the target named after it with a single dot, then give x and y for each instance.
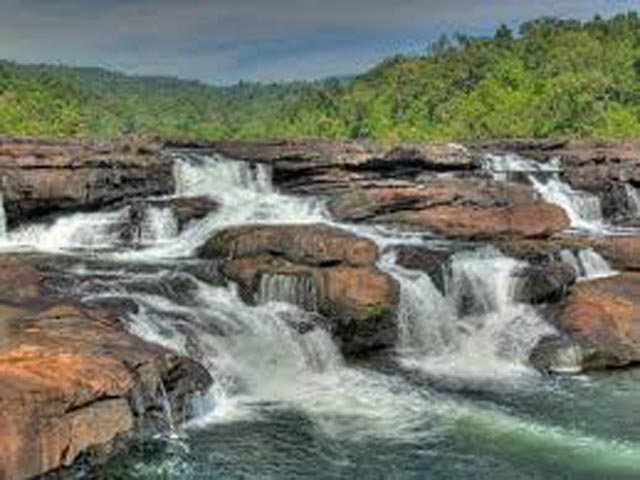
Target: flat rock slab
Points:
(42, 177)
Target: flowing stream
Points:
(457, 400)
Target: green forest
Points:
(551, 78)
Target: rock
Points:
(456, 207)
(623, 253)
(39, 178)
(433, 262)
(73, 381)
(599, 325)
(544, 283)
(327, 269)
(316, 245)
(325, 167)
(445, 158)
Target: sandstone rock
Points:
(354, 297)
(74, 381)
(39, 178)
(622, 252)
(456, 207)
(317, 245)
(599, 326)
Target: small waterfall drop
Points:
(633, 194)
(159, 225)
(3, 219)
(587, 263)
(295, 289)
(475, 328)
(584, 209)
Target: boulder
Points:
(456, 207)
(433, 262)
(39, 178)
(315, 245)
(544, 283)
(73, 381)
(623, 253)
(324, 269)
(598, 324)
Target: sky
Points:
(224, 41)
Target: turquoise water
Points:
(546, 428)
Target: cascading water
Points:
(299, 290)
(584, 209)
(3, 219)
(159, 225)
(286, 405)
(633, 194)
(474, 328)
(587, 263)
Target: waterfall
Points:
(633, 196)
(583, 209)
(295, 289)
(159, 225)
(3, 219)
(97, 230)
(475, 328)
(587, 263)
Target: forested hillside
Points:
(553, 78)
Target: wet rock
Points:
(623, 253)
(456, 207)
(316, 245)
(39, 178)
(72, 381)
(598, 324)
(544, 283)
(433, 262)
(322, 167)
(355, 298)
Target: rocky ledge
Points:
(456, 208)
(599, 325)
(330, 271)
(41, 177)
(65, 368)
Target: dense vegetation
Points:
(553, 78)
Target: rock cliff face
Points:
(355, 298)
(74, 382)
(38, 178)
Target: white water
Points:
(3, 219)
(475, 329)
(633, 194)
(159, 226)
(587, 263)
(583, 209)
(299, 290)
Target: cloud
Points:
(226, 40)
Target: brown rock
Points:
(73, 381)
(457, 207)
(355, 298)
(622, 252)
(601, 322)
(41, 177)
(315, 245)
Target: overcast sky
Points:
(223, 41)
